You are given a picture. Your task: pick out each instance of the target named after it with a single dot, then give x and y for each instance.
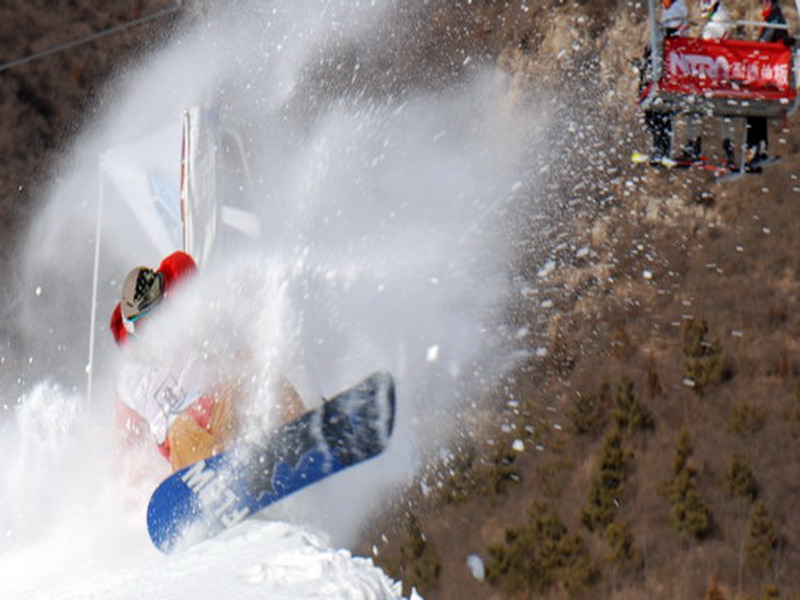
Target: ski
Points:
(638, 158)
(755, 167)
(216, 493)
(722, 173)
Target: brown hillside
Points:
(668, 253)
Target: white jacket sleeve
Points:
(719, 26)
(676, 16)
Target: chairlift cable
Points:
(90, 38)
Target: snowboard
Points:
(216, 493)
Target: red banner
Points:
(727, 69)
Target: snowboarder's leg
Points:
(291, 405)
(203, 431)
(188, 442)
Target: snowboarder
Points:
(187, 409)
(717, 26)
(674, 20)
(757, 136)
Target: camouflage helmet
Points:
(142, 289)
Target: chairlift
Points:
(724, 78)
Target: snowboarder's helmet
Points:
(142, 289)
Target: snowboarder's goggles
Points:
(148, 291)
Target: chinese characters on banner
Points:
(727, 69)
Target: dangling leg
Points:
(757, 140)
(660, 126)
(728, 149)
(692, 149)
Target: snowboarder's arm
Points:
(117, 327)
(175, 268)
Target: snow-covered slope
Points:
(73, 526)
(258, 560)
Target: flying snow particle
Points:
(432, 354)
(475, 565)
(518, 445)
(548, 268)
(38, 290)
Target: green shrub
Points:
(739, 479)
(588, 415)
(629, 414)
(608, 484)
(689, 513)
(539, 555)
(467, 475)
(704, 363)
(420, 560)
(623, 553)
(746, 419)
(763, 541)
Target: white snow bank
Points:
(258, 559)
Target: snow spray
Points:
(380, 187)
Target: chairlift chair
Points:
(724, 78)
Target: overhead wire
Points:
(90, 38)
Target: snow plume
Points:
(381, 190)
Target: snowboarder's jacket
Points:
(718, 25)
(153, 397)
(674, 17)
(774, 15)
